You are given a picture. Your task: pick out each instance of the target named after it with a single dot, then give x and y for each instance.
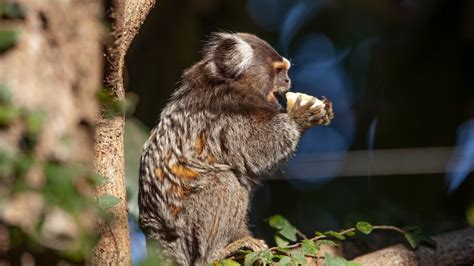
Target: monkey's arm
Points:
(264, 144)
(257, 146)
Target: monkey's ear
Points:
(229, 54)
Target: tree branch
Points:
(453, 248)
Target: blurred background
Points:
(400, 150)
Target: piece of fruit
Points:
(292, 96)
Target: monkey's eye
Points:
(279, 69)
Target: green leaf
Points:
(13, 11)
(364, 227)
(286, 261)
(338, 261)
(335, 234)
(351, 233)
(298, 257)
(277, 222)
(250, 259)
(228, 262)
(280, 241)
(285, 229)
(98, 180)
(412, 240)
(414, 235)
(326, 242)
(319, 233)
(266, 256)
(8, 39)
(107, 201)
(112, 106)
(289, 232)
(308, 247)
(417, 237)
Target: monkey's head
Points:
(247, 63)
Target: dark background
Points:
(399, 74)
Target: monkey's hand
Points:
(307, 115)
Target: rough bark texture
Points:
(55, 69)
(114, 245)
(453, 248)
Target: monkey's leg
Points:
(245, 242)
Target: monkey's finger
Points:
(310, 103)
(296, 104)
(328, 108)
(298, 101)
(319, 120)
(315, 119)
(318, 110)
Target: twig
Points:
(301, 234)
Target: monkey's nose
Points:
(287, 80)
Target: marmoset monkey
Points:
(221, 131)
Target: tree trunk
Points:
(49, 75)
(126, 18)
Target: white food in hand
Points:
(292, 96)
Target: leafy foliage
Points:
(297, 253)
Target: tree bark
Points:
(126, 18)
(454, 248)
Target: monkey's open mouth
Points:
(281, 99)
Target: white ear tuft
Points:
(245, 52)
(230, 54)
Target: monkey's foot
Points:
(324, 115)
(245, 242)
